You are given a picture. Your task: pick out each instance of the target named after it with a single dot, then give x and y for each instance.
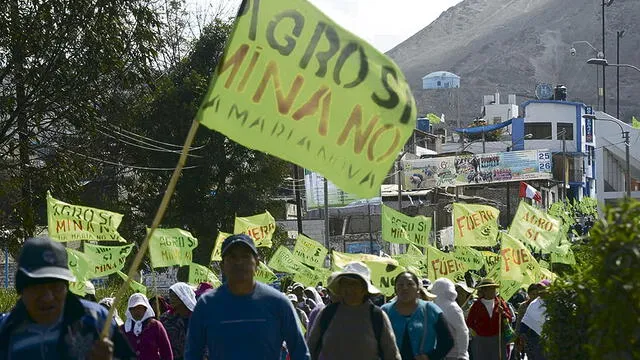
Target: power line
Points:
(157, 149)
(128, 166)
(120, 131)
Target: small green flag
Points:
(284, 261)
(433, 118)
(169, 247)
(564, 255)
(264, 274)
(635, 123)
(472, 257)
(517, 263)
(402, 229)
(216, 255)
(475, 225)
(259, 227)
(309, 252)
(443, 264)
(199, 274)
(78, 265)
(106, 260)
(535, 227)
(67, 222)
(136, 286)
(383, 276)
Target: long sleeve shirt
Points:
(251, 326)
(152, 343)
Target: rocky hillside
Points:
(511, 45)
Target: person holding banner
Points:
(48, 321)
(420, 328)
(243, 318)
(485, 320)
(353, 328)
(183, 300)
(146, 335)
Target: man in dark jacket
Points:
(49, 323)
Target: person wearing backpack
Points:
(420, 328)
(353, 328)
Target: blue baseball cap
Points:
(238, 239)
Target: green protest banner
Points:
(309, 252)
(339, 259)
(472, 257)
(535, 227)
(78, 265)
(199, 274)
(295, 85)
(264, 274)
(493, 267)
(78, 287)
(106, 260)
(67, 222)
(309, 277)
(136, 286)
(259, 227)
(443, 264)
(475, 225)
(383, 276)
(564, 255)
(216, 254)
(491, 260)
(416, 264)
(169, 247)
(402, 229)
(517, 263)
(543, 264)
(284, 261)
(412, 250)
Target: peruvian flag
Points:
(528, 191)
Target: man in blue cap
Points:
(243, 319)
(47, 321)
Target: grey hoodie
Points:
(446, 300)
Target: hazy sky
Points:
(382, 23)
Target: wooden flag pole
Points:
(156, 222)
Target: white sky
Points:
(382, 23)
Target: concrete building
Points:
(441, 80)
(495, 112)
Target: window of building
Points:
(569, 129)
(439, 83)
(497, 119)
(539, 131)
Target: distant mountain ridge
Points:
(510, 46)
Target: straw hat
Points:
(487, 282)
(358, 269)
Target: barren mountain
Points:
(511, 45)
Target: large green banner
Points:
(264, 274)
(67, 222)
(472, 257)
(339, 259)
(475, 225)
(294, 84)
(199, 274)
(259, 227)
(403, 229)
(535, 227)
(443, 264)
(383, 276)
(106, 260)
(78, 265)
(283, 260)
(216, 254)
(517, 263)
(169, 247)
(309, 252)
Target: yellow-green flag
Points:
(535, 227)
(564, 255)
(507, 287)
(294, 84)
(475, 225)
(416, 264)
(136, 286)
(635, 123)
(264, 274)
(383, 276)
(169, 247)
(284, 261)
(79, 287)
(309, 252)
(517, 263)
(443, 264)
(216, 254)
(199, 274)
(259, 227)
(339, 259)
(78, 265)
(472, 257)
(413, 250)
(310, 277)
(106, 260)
(402, 229)
(67, 222)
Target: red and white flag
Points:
(528, 191)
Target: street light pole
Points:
(619, 35)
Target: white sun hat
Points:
(358, 269)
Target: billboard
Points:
(461, 170)
(314, 188)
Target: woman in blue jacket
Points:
(420, 329)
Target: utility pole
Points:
(565, 183)
(625, 134)
(296, 190)
(619, 35)
(326, 213)
(604, 67)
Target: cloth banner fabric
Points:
(517, 262)
(216, 254)
(78, 265)
(339, 260)
(535, 227)
(403, 229)
(67, 222)
(283, 260)
(443, 264)
(309, 252)
(472, 257)
(475, 225)
(199, 274)
(169, 247)
(134, 285)
(294, 84)
(264, 274)
(383, 276)
(106, 260)
(259, 227)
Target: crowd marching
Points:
(246, 319)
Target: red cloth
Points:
(153, 342)
(478, 318)
(528, 191)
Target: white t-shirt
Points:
(489, 305)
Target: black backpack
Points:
(329, 312)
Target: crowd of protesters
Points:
(246, 319)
